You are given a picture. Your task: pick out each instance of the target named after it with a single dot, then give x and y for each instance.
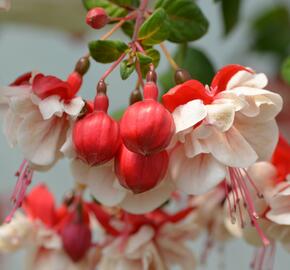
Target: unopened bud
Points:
(97, 18)
(181, 76)
(102, 87)
(82, 66)
(135, 96)
(151, 76)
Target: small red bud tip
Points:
(147, 127)
(96, 138)
(140, 173)
(75, 81)
(76, 238)
(97, 18)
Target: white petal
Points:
(188, 115)
(150, 200)
(195, 143)
(51, 106)
(262, 105)
(103, 185)
(195, 175)
(263, 137)
(231, 149)
(136, 241)
(11, 124)
(245, 78)
(280, 216)
(221, 115)
(40, 140)
(80, 171)
(7, 92)
(74, 107)
(68, 148)
(264, 175)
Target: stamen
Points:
(24, 174)
(248, 177)
(264, 258)
(241, 191)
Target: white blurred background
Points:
(24, 47)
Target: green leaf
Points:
(271, 32)
(155, 29)
(127, 3)
(128, 28)
(107, 51)
(126, 69)
(286, 70)
(155, 56)
(186, 20)
(231, 14)
(113, 8)
(195, 61)
(144, 59)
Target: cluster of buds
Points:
(138, 143)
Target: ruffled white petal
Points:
(104, 186)
(40, 140)
(149, 200)
(74, 107)
(80, 171)
(221, 116)
(51, 106)
(247, 79)
(68, 148)
(195, 175)
(231, 149)
(11, 125)
(189, 114)
(263, 137)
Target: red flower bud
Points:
(97, 18)
(96, 137)
(140, 173)
(76, 238)
(146, 126)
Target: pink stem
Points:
(108, 72)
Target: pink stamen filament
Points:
(238, 182)
(25, 174)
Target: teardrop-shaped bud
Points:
(147, 127)
(140, 173)
(96, 138)
(97, 18)
(76, 237)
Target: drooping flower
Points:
(229, 125)
(45, 231)
(221, 130)
(38, 111)
(153, 241)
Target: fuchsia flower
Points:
(38, 111)
(221, 128)
(152, 241)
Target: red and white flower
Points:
(222, 128)
(38, 111)
(153, 241)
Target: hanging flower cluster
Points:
(205, 158)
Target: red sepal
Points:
(223, 76)
(183, 93)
